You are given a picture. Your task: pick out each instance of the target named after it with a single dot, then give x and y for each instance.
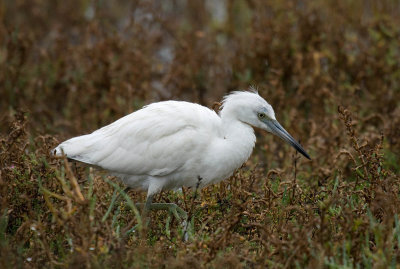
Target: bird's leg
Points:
(172, 209)
(147, 205)
(177, 212)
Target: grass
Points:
(330, 70)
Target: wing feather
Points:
(156, 140)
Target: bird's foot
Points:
(178, 213)
(188, 229)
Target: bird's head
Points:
(252, 109)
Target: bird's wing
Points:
(156, 140)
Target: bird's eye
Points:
(261, 115)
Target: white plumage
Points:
(171, 144)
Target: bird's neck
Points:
(236, 129)
(240, 138)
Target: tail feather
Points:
(76, 148)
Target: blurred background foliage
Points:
(70, 67)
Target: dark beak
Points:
(278, 130)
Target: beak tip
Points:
(305, 155)
(278, 130)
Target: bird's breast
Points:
(225, 156)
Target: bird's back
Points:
(155, 141)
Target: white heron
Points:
(170, 144)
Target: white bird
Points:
(170, 144)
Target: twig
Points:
(294, 183)
(190, 213)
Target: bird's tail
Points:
(76, 148)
